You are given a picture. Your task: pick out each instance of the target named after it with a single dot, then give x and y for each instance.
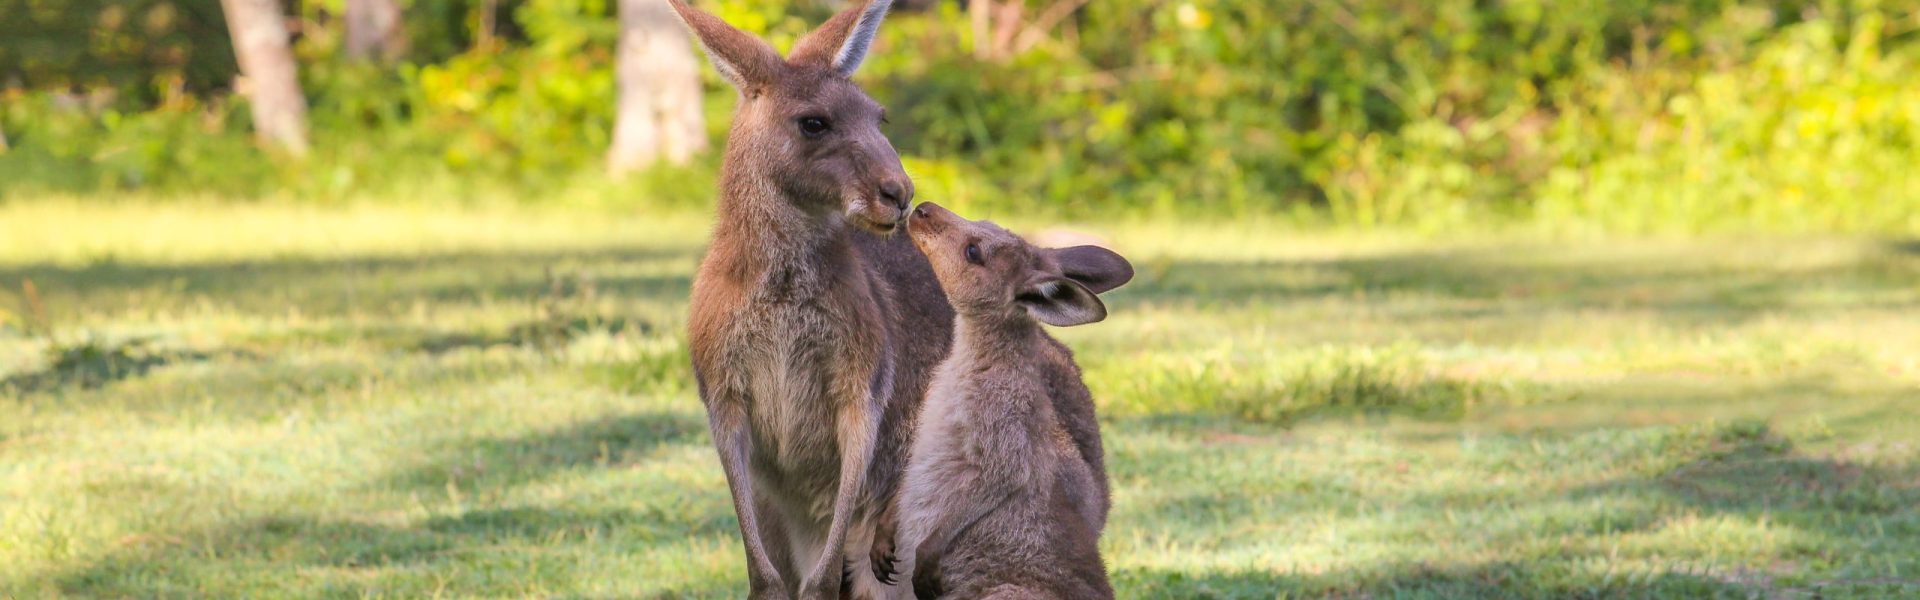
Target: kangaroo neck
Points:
(986, 339)
(771, 238)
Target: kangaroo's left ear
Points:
(1061, 302)
(1097, 268)
(842, 42)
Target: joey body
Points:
(1006, 491)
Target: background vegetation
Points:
(1574, 114)
(1492, 298)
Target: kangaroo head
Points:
(988, 272)
(802, 125)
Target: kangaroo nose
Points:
(896, 193)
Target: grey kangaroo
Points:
(813, 329)
(1006, 491)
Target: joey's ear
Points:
(842, 42)
(744, 60)
(1061, 302)
(1097, 268)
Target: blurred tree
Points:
(374, 30)
(1002, 30)
(259, 30)
(659, 108)
(488, 15)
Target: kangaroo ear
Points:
(1097, 268)
(842, 41)
(1061, 302)
(744, 60)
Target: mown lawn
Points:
(260, 401)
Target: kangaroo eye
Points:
(814, 126)
(973, 254)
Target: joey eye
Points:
(973, 254)
(814, 126)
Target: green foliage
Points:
(65, 142)
(1819, 132)
(145, 50)
(1581, 115)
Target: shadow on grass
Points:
(93, 363)
(485, 551)
(475, 543)
(1472, 284)
(1835, 525)
(1494, 580)
(377, 285)
(494, 463)
(1503, 282)
(550, 332)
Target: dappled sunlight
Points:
(1319, 417)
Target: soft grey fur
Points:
(1006, 491)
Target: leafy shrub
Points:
(1635, 115)
(1819, 133)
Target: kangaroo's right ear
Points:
(1060, 302)
(745, 61)
(1097, 268)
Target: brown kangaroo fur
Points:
(1006, 491)
(812, 340)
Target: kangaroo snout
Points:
(928, 218)
(897, 192)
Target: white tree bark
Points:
(659, 108)
(374, 30)
(271, 84)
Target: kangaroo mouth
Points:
(876, 226)
(877, 218)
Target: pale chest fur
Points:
(797, 353)
(944, 418)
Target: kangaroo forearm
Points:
(856, 433)
(731, 440)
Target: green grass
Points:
(254, 400)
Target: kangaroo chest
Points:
(799, 360)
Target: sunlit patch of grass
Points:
(1282, 386)
(377, 402)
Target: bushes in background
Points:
(1632, 115)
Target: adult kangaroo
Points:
(814, 330)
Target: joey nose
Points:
(896, 193)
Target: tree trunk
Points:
(374, 30)
(483, 29)
(660, 110)
(1002, 30)
(272, 86)
(981, 16)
